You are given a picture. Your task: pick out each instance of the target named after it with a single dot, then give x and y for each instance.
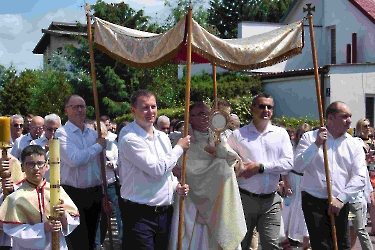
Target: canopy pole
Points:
(215, 85)
(309, 11)
(98, 127)
(186, 127)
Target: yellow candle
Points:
(54, 162)
(5, 129)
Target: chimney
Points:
(354, 48)
(348, 53)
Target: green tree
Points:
(179, 9)
(115, 80)
(50, 95)
(226, 14)
(16, 94)
(2, 77)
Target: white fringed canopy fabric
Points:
(143, 49)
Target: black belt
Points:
(295, 172)
(261, 196)
(87, 190)
(156, 209)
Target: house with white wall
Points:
(345, 42)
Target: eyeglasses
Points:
(366, 126)
(263, 106)
(76, 107)
(18, 125)
(51, 129)
(40, 164)
(38, 128)
(200, 114)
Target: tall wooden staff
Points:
(187, 110)
(4, 145)
(309, 11)
(54, 163)
(96, 102)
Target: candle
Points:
(54, 162)
(5, 130)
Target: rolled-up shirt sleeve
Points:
(140, 155)
(305, 152)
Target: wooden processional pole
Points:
(215, 85)
(98, 127)
(309, 11)
(186, 127)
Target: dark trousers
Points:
(89, 202)
(145, 228)
(319, 224)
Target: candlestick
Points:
(4, 132)
(4, 145)
(54, 162)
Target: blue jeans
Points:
(103, 224)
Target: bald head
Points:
(36, 127)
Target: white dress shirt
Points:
(80, 156)
(146, 165)
(20, 143)
(272, 148)
(346, 161)
(42, 141)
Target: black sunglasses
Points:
(263, 106)
(18, 125)
(52, 129)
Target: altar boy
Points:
(24, 213)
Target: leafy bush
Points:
(295, 122)
(240, 107)
(229, 86)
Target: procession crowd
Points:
(259, 186)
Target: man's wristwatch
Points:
(261, 168)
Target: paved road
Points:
(117, 246)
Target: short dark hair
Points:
(30, 150)
(66, 101)
(104, 118)
(332, 108)
(262, 94)
(138, 93)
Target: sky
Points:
(22, 21)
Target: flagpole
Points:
(309, 11)
(187, 106)
(98, 127)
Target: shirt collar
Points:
(74, 128)
(269, 128)
(141, 132)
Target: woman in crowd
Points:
(363, 132)
(296, 221)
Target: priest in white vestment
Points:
(214, 217)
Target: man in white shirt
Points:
(346, 161)
(16, 128)
(266, 152)
(80, 170)
(146, 161)
(36, 131)
(51, 123)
